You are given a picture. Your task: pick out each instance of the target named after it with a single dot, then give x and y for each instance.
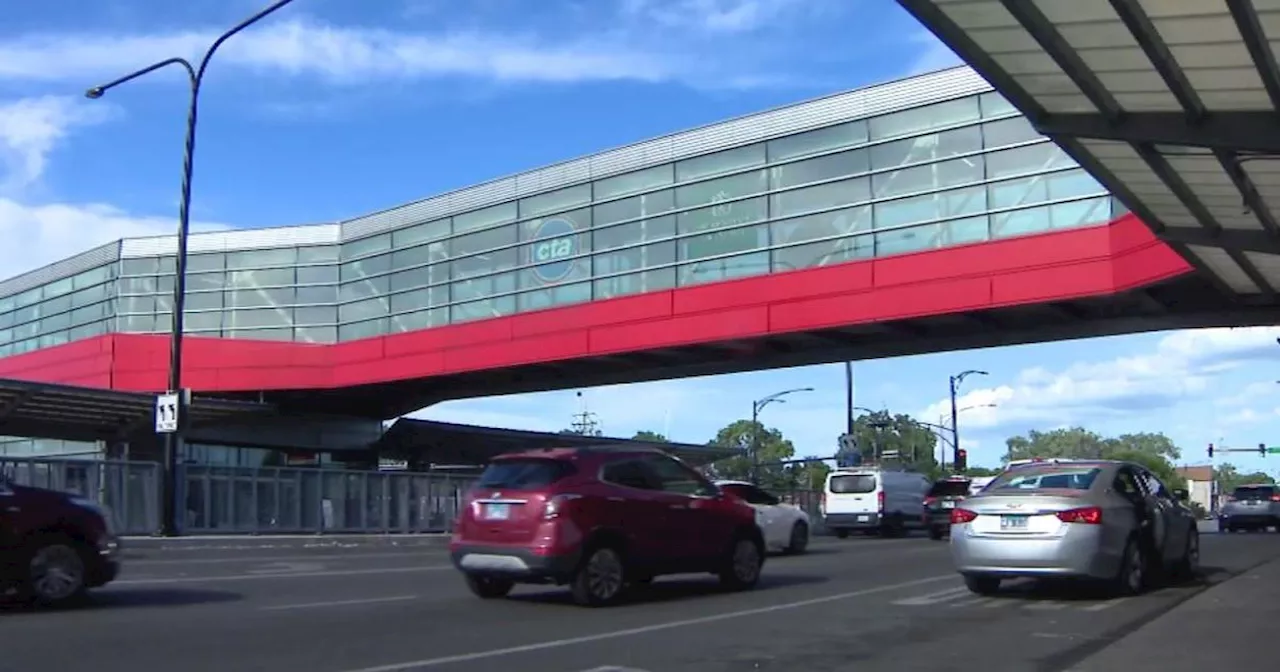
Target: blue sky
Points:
(333, 108)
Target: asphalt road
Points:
(866, 604)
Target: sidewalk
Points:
(1228, 626)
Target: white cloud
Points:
(714, 16)
(1182, 366)
(30, 128)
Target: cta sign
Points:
(555, 244)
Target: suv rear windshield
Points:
(852, 484)
(1254, 492)
(523, 474)
(949, 489)
(1043, 478)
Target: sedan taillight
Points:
(961, 516)
(1089, 515)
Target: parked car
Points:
(942, 497)
(54, 546)
(1105, 520)
(785, 526)
(886, 501)
(1251, 507)
(600, 520)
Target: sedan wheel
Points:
(1189, 566)
(1132, 576)
(799, 539)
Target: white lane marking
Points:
(340, 603)
(280, 558)
(1106, 605)
(615, 668)
(934, 598)
(259, 577)
(1049, 605)
(645, 629)
(287, 568)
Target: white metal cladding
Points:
(1068, 56)
(84, 261)
(233, 240)
(861, 103)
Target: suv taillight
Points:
(557, 505)
(928, 501)
(1089, 515)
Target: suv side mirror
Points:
(1181, 495)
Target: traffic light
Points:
(1262, 449)
(1211, 451)
(962, 461)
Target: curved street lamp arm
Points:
(97, 91)
(204, 62)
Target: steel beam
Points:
(1230, 131)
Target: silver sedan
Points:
(1104, 520)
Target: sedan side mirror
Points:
(1181, 495)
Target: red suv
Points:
(600, 520)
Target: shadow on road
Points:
(131, 598)
(1088, 591)
(670, 590)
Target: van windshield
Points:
(852, 484)
(523, 474)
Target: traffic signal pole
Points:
(1262, 449)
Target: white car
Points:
(785, 526)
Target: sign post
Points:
(167, 412)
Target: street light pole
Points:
(956, 380)
(757, 406)
(195, 76)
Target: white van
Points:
(873, 500)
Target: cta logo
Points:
(555, 243)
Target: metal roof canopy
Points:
(54, 411)
(449, 443)
(1174, 105)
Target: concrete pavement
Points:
(870, 604)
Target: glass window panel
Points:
(422, 319)
(261, 334)
(1118, 208)
(630, 183)
(57, 288)
(282, 256)
(137, 323)
(146, 266)
(943, 205)
(88, 330)
(1080, 213)
(318, 254)
(821, 140)
(137, 304)
(317, 294)
(89, 313)
(142, 285)
(56, 322)
(635, 258)
(928, 177)
(368, 329)
(498, 260)
(353, 270)
(419, 299)
(720, 162)
(420, 233)
(482, 241)
(353, 249)
(91, 277)
(645, 205)
(821, 225)
(363, 289)
(204, 301)
(1013, 131)
(723, 189)
(1073, 184)
(316, 315)
(1032, 159)
(467, 290)
(481, 310)
(260, 298)
(205, 262)
(266, 277)
(432, 253)
(823, 253)
(724, 268)
(56, 305)
(28, 297)
(1020, 222)
(557, 296)
(167, 264)
(724, 215)
(926, 148)
(912, 239)
(555, 201)
(995, 105)
(203, 321)
(726, 241)
(205, 281)
(967, 230)
(315, 275)
(93, 294)
(821, 197)
(416, 277)
(926, 118)
(555, 273)
(1019, 192)
(622, 235)
(164, 302)
(479, 219)
(362, 310)
(50, 340)
(315, 334)
(820, 169)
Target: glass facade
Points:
(961, 171)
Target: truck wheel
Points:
(55, 573)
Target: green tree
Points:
(810, 474)
(1230, 477)
(880, 433)
(650, 437)
(1154, 451)
(976, 472)
(772, 449)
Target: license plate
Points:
(863, 519)
(497, 511)
(1013, 522)
(948, 505)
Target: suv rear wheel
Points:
(742, 566)
(55, 572)
(600, 579)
